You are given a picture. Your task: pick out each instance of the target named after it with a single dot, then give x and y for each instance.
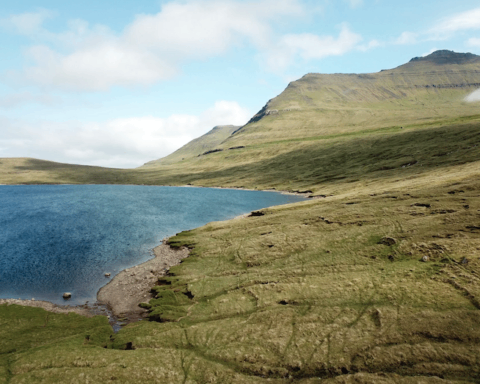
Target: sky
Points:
(119, 83)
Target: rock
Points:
(425, 258)
(67, 295)
(426, 205)
(257, 213)
(107, 274)
(391, 258)
(388, 241)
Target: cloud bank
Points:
(124, 142)
(154, 47)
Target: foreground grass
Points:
(306, 293)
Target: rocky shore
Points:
(123, 294)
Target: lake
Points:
(63, 238)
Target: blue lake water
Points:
(63, 238)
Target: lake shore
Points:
(120, 298)
(123, 294)
(83, 310)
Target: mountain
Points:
(428, 89)
(326, 127)
(200, 145)
(322, 127)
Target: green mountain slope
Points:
(425, 89)
(198, 146)
(311, 117)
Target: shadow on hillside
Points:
(400, 154)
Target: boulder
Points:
(67, 295)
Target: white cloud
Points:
(124, 142)
(309, 46)
(444, 29)
(205, 28)
(22, 98)
(354, 3)
(26, 23)
(407, 38)
(96, 67)
(372, 44)
(459, 22)
(473, 97)
(152, 47)
(473, 42)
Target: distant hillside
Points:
(202, 144)
(312, 132)
(427, 88)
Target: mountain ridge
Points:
(398, 88)
(197, 146)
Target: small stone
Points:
(425, 258)
(107, 274)
(67, 295)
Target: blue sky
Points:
(119, 83)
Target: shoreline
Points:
(306, 194)
(83, 310)
(119, 299)
(130, 287)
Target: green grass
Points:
(306, 293)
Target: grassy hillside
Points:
(376, 280)
(316, 117)
(200, 145)
(331, 290)
(424, 90)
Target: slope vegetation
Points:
(375, 279)
(199, 146)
